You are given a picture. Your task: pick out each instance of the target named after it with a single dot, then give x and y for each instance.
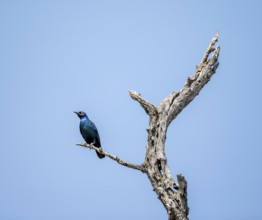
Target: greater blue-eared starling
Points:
(89, 131)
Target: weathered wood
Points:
(115, 158)
(172, 194)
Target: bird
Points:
(89, 131)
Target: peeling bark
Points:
(172, 193)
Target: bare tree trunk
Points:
(172, 194)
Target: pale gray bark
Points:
(172, 193)
(115, 158)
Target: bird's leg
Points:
(83, 143)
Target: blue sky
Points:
(57, 57)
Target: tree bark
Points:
(172, 194)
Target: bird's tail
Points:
(100, 155)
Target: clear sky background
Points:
(57, 57)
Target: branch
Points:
(147, 106)
(177, 101)
(210, 48)
(172, 195)
(113, 157)
(183, 192)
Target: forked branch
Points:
(177, 101)
(173, 195)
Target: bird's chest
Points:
(87, 132)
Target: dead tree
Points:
(172, 193)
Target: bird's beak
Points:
(76, 113)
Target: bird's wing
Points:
(93, 125)
(97, 138)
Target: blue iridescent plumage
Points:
(89, 131)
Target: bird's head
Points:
(81, 114)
